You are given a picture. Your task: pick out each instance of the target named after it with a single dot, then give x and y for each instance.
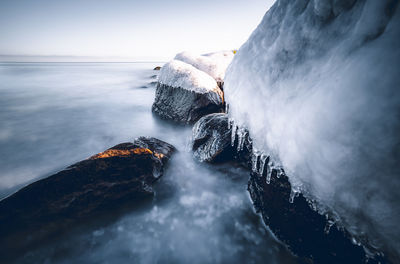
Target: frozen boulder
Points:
(185, 94)
(212, 141)
(214, 64)
(211, 138)
(313, 237)
(317, 84)
(119, 177)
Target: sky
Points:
(122, 29)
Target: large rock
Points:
(212, 140)
(310, 235)
(184, 94)
(120, 176)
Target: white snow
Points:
(317, 85)
(180, 74)
(214, 64)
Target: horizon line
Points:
(82, 61)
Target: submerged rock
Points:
(184, 94)
(120, 176)
(212, 140)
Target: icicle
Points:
(293, 194)
(263, 158)
(355, 242)
(329, 224)
(254, 159)
(241, 132)
(233, 135)
(243, 140)
(279, 172)
(269, 174)
(227, 108)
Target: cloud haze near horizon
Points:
(142, 30)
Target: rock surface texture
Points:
(313, 237)
(308, 234)
(212, 141)
(317, 86)
(120, 176)
(184, 94)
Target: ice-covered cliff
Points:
(317, 85)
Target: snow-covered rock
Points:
(179, 74)
(317, 85)
(185, 94)
(214, 64)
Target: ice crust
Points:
(214, 64)
(180, 74)
(317, 85)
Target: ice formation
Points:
(214, 64)
(317, 85)
(180, 74)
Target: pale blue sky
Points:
(148, 29)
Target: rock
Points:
(214, 64)
(308, 234)
(157, 68)
(185, 106)
(211, 140)
(120, 176)
(184, 94)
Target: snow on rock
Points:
(185, 94)
(317, 85)
(214, 64)
(180, 74)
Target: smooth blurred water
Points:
(54, 114)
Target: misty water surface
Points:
(55, 114)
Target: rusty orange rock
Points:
(122, 152)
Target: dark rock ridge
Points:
(186, 106)
(157, 68)
(310, 235)
(212, 141)
(120, 176)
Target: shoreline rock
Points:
(184, 94)
(184, 106)
(120, 176)
(308, 234)
(212, 141)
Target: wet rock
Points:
(184, 94)
(309, 235)
(157, 68)
(212, 141)
(120, 176)
(186, 106)
(211, 138)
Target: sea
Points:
(55, 114)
